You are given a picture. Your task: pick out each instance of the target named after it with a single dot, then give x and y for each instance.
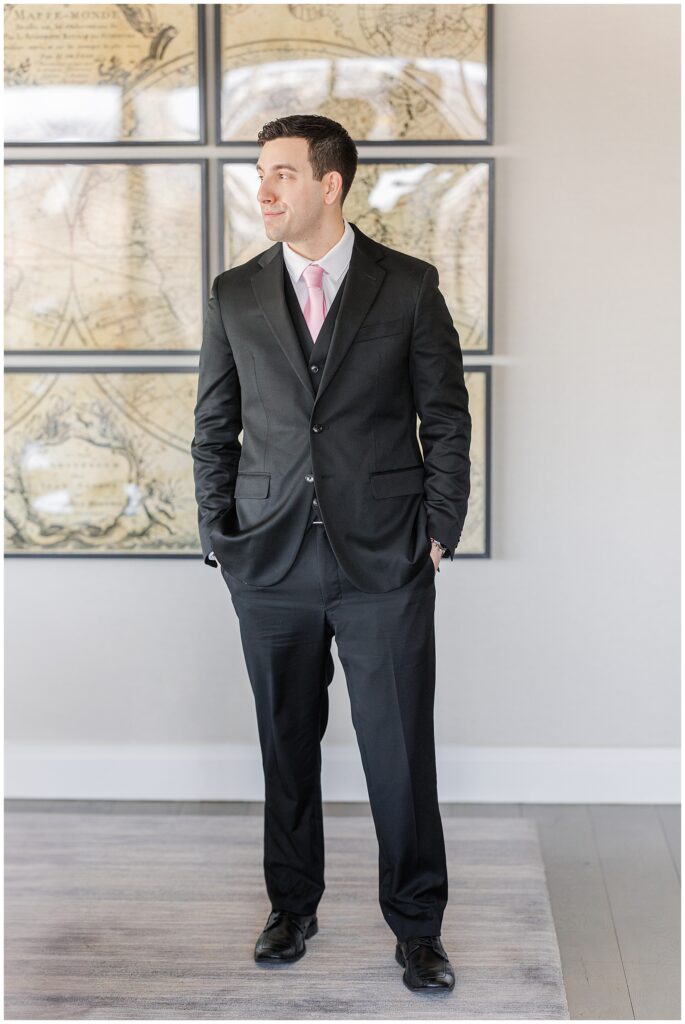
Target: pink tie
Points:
(315, 306)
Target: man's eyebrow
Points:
(277, 167)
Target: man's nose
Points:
(264, 194)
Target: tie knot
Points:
(312, 275)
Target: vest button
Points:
(314, 501)
(314, 369)
(309, 478)
(317, 428)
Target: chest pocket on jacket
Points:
(379, 329)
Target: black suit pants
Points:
(386, 645)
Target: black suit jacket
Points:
(394, 352)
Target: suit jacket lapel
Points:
(364, 278)
(268, 288)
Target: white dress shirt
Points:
(335, 264)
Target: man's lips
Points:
(274, 214)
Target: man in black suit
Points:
(330, 520)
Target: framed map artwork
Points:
(475, 537)
(104, 73)
(440, 210)
(105, 256)
(109, 256)
(98, 462)
(391, 73)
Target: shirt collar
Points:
(335, 262)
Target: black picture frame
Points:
(487, 141)
(485, 369)
(200, 23)
(211, 179)
(203, 163)
(74, 368)
(392, 159)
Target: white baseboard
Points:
(585, 775)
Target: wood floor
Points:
(613, 873)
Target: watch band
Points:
(443, 551)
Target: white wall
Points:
(569, 636)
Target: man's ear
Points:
(333, 187)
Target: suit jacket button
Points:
(309, 478)
(317, 428)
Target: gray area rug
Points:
(131, 916)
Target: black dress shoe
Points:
(282, 940)
(425, 963)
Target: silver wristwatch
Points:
(443, 551)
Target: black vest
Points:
(314, 352)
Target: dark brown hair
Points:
(330, 147)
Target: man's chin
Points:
(272, 225)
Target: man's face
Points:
(291, 201)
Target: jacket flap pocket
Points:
(397, 481)
(252, 485)
(379, 329)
